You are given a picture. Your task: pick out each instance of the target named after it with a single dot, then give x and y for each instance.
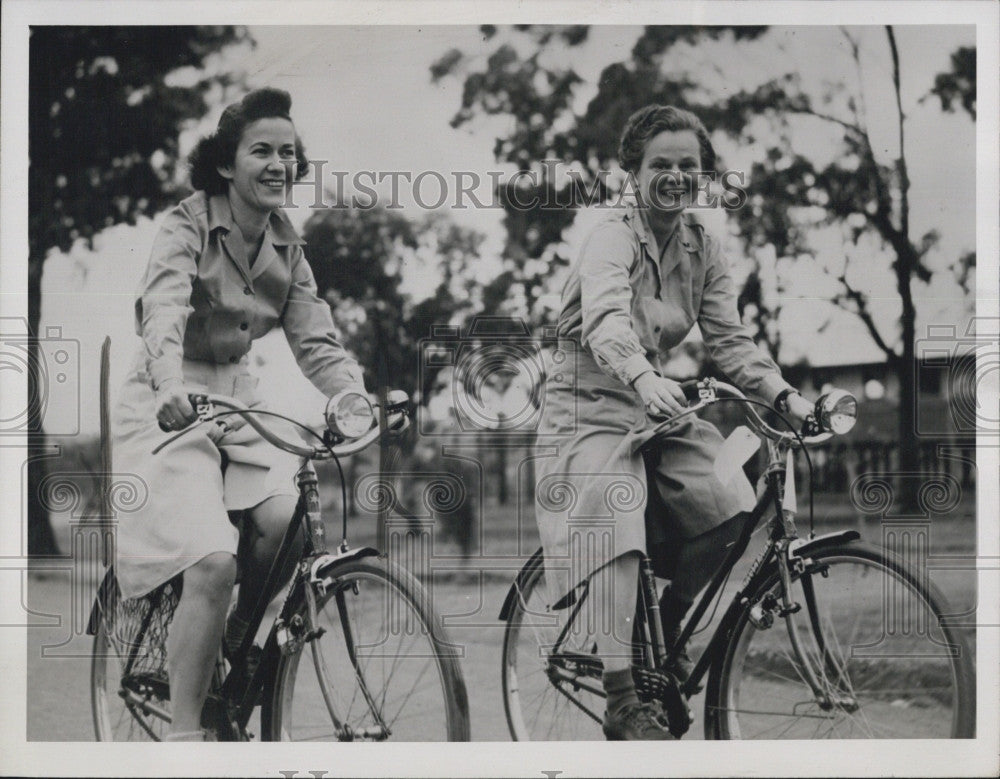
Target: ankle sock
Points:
(620, 688)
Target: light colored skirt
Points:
(591, 486)
(182, 515)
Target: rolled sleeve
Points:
(730, 346)
(309, 327)
(164, 302)
(606, 263)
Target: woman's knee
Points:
(213, 575)
(270, 517)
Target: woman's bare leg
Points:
(195, 635)
(267, 525)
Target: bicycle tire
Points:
(134, 706)
(298, 706)
(535, 706)
(907, 674)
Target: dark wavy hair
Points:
(219, 148)
(648, 122)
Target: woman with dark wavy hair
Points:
(226, 268)
(643, 279)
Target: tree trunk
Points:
(41, 538)
(905, 367)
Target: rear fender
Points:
(522, 577)
(106, 590)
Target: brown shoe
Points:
(635, 722)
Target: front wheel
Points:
(379, 668)
(877, 658)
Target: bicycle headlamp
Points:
(350, 414)
(837, 411)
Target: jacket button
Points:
(246, 291)
(244, 325)
(234, 359)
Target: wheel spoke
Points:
(396, 657)
(894, 687)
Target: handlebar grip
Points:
(195, 399)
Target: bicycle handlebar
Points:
(703, 392)
(396, 420)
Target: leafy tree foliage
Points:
(959, 83)
(359, 258)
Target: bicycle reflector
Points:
(837, 411)
(349, 414)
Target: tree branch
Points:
(865, 316)
(857, 129)
(862, 114)
(904, 179)
(861, 310)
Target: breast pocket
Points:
(275, 282)
(661, 324)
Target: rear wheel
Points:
(381, 668)
(874, 642)
(130, 694)
(551, 674)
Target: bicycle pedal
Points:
(679, 714)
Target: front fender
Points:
(323, 564)
(804, 547)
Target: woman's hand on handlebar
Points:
(660, 396)
(799, 409)
(173, 408)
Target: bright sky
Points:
(363, 100)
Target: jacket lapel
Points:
(265, 257)
(235, 249)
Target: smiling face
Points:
(666, 177)
(264, 165)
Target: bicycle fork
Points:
(826, 693)
(825, 689)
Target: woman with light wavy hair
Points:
(643, 279)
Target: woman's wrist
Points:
(781, 401)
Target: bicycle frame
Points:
(238, 689)
(781, 551)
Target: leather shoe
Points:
(635, 722)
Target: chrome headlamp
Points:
(349, 414)
(837, 411)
